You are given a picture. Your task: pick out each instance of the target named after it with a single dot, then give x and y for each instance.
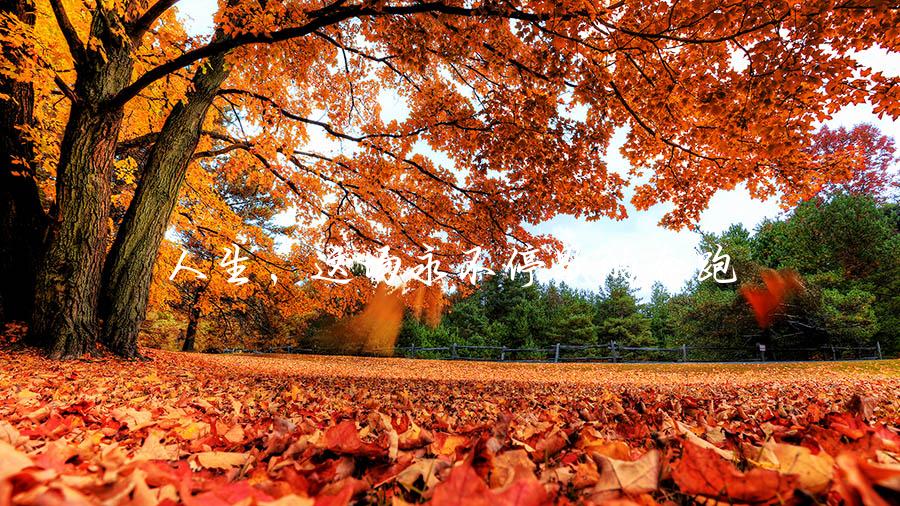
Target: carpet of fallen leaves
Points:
(210, 430)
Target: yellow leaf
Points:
(813, 472)
(221, 460)
(153, 449)
(193, 430)
(632, 477)
(11, 460)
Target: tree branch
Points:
(364, 141)
(64, 88)
(138, 27)
(221, 151)
(76, 47)
(321, 19)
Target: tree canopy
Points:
(133, 128)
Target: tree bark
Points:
(67, 287)
(129, 267)
(22, 218)
(190, 335)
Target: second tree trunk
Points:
(129, 268)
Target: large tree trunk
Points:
(22, 218)
(66, 292)
(129, 267)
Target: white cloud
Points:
(197, 15)
(651, 253)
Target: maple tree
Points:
(874, 175)
(236, 314)
(522, 97)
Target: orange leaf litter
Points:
(309, 430)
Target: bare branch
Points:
(384, 60)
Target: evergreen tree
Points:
(659, 312)
(845, 248)
(570, 314)
(617, 316)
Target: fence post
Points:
(556, 355)
(412, 351)
(503, 354)
(878, 347)
(615, 354)
(684, 352)
(453, 350)
(833, 353)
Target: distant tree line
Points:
(845, 247)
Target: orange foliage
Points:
(428, 304)
(376, 328)
(777, 287)
(341, 430)
(523, 108)
(871, 172)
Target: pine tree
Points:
(618, 318)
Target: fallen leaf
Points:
(11, 460)
(153, 449)
(701, 471)
(813, 472)
(344, 439)
(425, 469)
(221, 460)
(631, 477)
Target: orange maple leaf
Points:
(767, 299)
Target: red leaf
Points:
(344, 439)
(465, 488)
(701, 471)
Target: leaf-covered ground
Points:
(209, 430)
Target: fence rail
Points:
(611, 352)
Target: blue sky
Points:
(649, 252)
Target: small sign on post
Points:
(762, 352)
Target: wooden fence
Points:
(611, 352)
